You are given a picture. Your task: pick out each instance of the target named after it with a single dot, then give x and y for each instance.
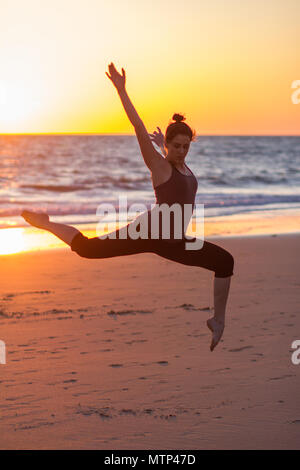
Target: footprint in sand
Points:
(136, 341)
(127, 312)
(192, 307)
(8, 297)
(127, 412)
(282, 377)
(240, 349)
(104, 413)
(169, 417)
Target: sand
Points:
(114, 353)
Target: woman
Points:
(173, 182)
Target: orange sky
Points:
(228, 65)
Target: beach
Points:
(114, 353)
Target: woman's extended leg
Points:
(217, 323)
(213, 258)
(107, 247)
(65, 232)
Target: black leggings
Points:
(210, 256)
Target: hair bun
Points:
(178, 117)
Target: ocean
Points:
(68, 176)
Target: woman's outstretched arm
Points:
(119, 82)
(151, 157)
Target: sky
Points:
(227, 65)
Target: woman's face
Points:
(178, 148)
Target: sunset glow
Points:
(11, 241)
(228, 65)
(17, 102)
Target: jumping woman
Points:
(173, 182)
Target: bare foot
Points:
(36, 219)
(217, 328)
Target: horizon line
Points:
(133, 135)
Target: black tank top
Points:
(180, 189)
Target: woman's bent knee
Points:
(226, 265)
(83, 246)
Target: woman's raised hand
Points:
(158, 137)
(117, 79)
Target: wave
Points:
(54, 188)
(210, 201)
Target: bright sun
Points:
(17, 102)
(11, 241)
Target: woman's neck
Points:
(178, 163)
